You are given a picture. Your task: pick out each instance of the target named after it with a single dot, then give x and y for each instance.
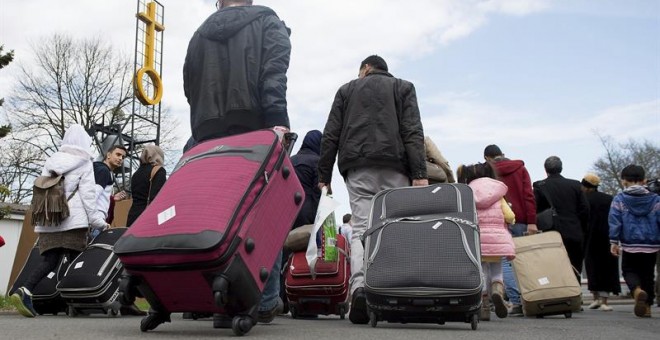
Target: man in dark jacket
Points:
(570, 203)
(234, 75)
(521, 197)
(234, 78)
(374, 126)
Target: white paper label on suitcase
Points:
(51, 275)
(436, 190)
(166, 215)
(544, 281)
(437, 225)
(79, 265)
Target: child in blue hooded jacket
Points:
(634, 221)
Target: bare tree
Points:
(73, 81)
(617, 156)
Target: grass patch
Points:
(142, 304)
(5, 304)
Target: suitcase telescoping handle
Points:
(290, 139)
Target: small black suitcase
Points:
(423, 256)
(91, 283)
(46, 298)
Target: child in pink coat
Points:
(493, 213)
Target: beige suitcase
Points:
(546, 279)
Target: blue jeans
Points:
(510, 283)
(271, 293)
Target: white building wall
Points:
(10, 230)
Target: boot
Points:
(497, 295)
(484, 315)
(647, 313)
(640, 302)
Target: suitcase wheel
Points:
(112, 312)
(221, 291)
(474, 322)
(241, 325)
(294, 311)
(568, 315)
(373, 319)
(342, 312)
(71, 312)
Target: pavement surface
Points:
(590, 324)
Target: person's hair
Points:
(633, 173)
(375, 61)
(492, 151)
(346, 218)
(468, 173)
(115, 147)
(224, 3)
(553, 165)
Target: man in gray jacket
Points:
(375, 128)
(234, 78)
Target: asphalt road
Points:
(618, 324)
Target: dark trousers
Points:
(51, 259)
(638, 271)
(575, 254)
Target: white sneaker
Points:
(605, 308)
(595, 305)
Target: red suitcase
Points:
(208, 241)
(327, 292)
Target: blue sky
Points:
(536, 77)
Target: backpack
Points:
(49, 202)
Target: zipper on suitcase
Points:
(383, 214)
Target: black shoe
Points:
(358, 313)
(131, 310)
(267, 316)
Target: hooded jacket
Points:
(374, 121)
(74, 162)
(305, 163)
(234, 75)
(494, 234)
(634, 218)
(521, 196)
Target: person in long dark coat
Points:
(602, 268)
(305, 163)
(144, 186)
(566, 197)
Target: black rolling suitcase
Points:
(422, 256)
(46, 298)
(91, 283)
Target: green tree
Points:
(618, 155)
(5, 59)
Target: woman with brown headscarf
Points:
(146, 181)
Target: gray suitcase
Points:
(422, 256)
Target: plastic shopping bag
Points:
(326, 208)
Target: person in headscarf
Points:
(73, 161)
(147, 181)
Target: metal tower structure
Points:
(142, 126)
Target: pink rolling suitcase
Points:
(208, 241)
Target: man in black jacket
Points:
(570, 203)
(374, 126)
(234, 78)
(234, 75)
